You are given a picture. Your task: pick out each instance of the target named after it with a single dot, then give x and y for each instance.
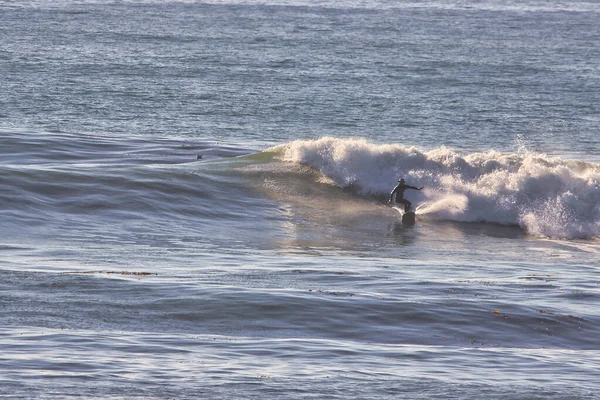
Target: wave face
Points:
(550, 197)
(122, 198)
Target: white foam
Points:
(550, 197)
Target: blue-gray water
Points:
(192, 199)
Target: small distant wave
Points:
(546, 196)
(61, 179)
(485, 5)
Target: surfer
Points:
(399, 190)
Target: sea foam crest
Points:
(550, 197)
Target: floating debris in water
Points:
(138, 273)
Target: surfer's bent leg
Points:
(406, 203)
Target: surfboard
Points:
(408, 218)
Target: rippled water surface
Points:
(193, 200)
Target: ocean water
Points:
(193, 199)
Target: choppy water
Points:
(192, 199)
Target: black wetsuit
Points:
(399, 190)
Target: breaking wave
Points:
(546, 196)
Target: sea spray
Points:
(547, 196)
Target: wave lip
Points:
(546, 196)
